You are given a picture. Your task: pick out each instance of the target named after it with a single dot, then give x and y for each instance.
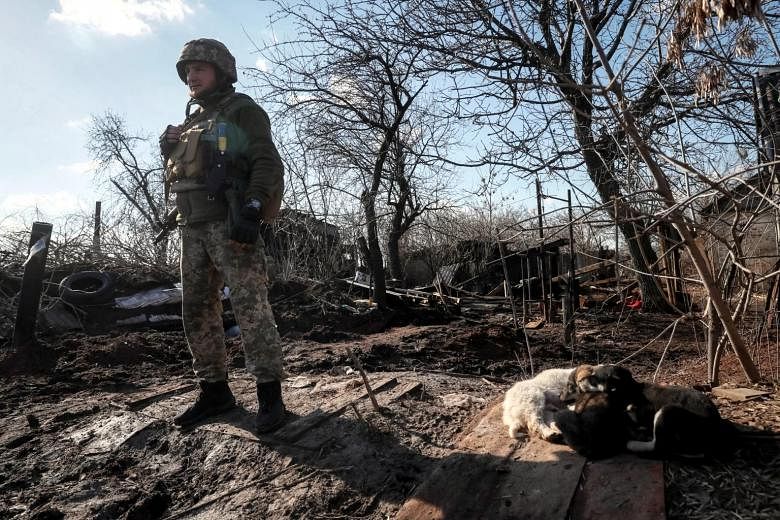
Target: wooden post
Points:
(541, 259)
(96, 234)
(569, 328)
(32, 283)
(507, 284)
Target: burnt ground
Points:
(71, 447)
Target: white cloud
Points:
(78, 168)
(120, 17)
(78, 123)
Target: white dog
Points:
(530, 405)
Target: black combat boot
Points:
(214, 398)
(271, 410)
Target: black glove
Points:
(247, 227)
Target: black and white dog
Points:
(642, 417)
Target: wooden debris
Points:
(621, 487)
(359, 366)
(138, 403)
(296, 429)
(738, 394)
(535, 324)
(494, 477)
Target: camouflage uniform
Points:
(208, 258)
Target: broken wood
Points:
(738, 394)
(158, 395)
(535, 324)
(359, 366)
(294, 430)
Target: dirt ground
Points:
(76, 441)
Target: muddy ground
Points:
(72, 447)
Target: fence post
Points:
(96, 234)
(32, 283)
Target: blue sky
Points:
(66, 60)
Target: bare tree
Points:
(529, 73)
(354, 96)
(135, 177)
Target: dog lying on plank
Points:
(530, 405)
(656, 419)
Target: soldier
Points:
(227, 176)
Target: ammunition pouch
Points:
(196, 157)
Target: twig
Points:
(674, 323)
(666, 349)
(359, 366)
(359, 416)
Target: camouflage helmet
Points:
(210, 51)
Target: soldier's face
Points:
(201, 77)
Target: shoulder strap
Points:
(233, 102)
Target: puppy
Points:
(580, 380)
(679, 421)
(530, 405)
(595, 424)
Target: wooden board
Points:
(491, 476)
(536, 324)
(624, 487)
(144, 398)
(738, 394)
(295, 429)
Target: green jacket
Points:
(253, 162)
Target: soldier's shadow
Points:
(377, 465)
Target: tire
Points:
(87, 287)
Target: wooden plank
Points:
(398, 392)
(295, 429)
(494, 477)
(536, 324)
(621, 487)
(540, 482)
(157, 394)
(738, 394)
(106, 434)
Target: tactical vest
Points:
(190, 160)
(190, 157)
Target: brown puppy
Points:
(595, 424)
(580, 380)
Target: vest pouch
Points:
(187, 159)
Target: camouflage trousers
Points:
(209, 260)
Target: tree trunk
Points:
(394, 255)
(375, 260)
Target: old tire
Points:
(87, 287)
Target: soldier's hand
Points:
(246, 229)
(172, 133)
